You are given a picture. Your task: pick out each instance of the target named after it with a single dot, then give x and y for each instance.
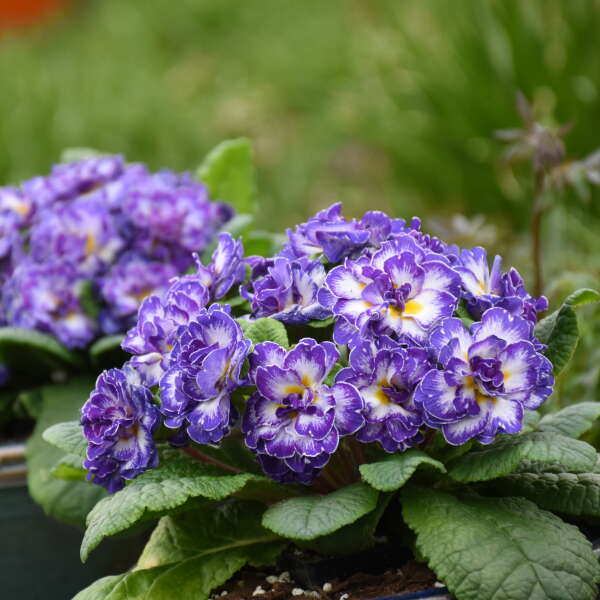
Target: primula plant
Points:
(366, 380)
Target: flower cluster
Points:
(399, 365)
(97, 229)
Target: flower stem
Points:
(204, 458)
(536, 232)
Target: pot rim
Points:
(13, 468)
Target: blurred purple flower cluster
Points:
(399, 363)
(97, 229)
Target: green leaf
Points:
(503, 456)
(232, 524)
(500, 548)
(262, 243)
(583, 296)
(68, 501)
(21, 348)
(356, 537)
(67, 436)
(177, 479)
(309, 517)
(265, 330)
(572, 421)
(192, 553)
(228, 173)
(321, 324)
(559, 330)
(556, 490)
(69, 468)
(107, 352)
(395, 470)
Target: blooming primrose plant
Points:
(366, 374)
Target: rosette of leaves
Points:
(493, 521)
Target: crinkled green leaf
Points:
(572, 421)
(67, 436)
(69, 468)
(265, 330)
(177, 479)
(68, 501)
(503, 456)
(309, 517)
(395, 470)
(233, 524)
(556, 490)
(583, 296)
(190, 554)
(22, 348)
(229, 174)
(500, 548)
(559, 330)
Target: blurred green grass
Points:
(388, 104)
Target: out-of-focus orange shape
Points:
(14, 13)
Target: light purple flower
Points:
(174, 209)
(152, 339)
(386, 376)
(401, 290)
(46, 297)
(127, 283)
(489, 375)
(294, 421)
(68, 180)
(484, 288)
(226, 269)
(204, 370)
(286, 289)
(82, 232)
(16, 205)
(118, 420)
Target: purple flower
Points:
(68, 180)
(174, 209)
(226, 268)
(46, 297)
(326, 233)
(4, 374)
(128, 282)
(294, 421)
(489, 375)
(386, 377)
(155, 334)
(81, 232)
(286, 289)
(118, 420)
(16, 205)
(484, 289)
(401, 290)
(204, 370)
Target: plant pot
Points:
(40, 556)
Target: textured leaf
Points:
(569, 493)
(69, 468)
(190, 554)
(22, 348)
(176, 480)
(394, 471)
(559, 330)
(503, 456)
(308, 517)
(265, 330)
(67, 436)
(68, 501)
(228, 173)
(572, 421)
(500, 548)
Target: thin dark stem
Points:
(537, 213)
(201, 457)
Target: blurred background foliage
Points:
(386, 104)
